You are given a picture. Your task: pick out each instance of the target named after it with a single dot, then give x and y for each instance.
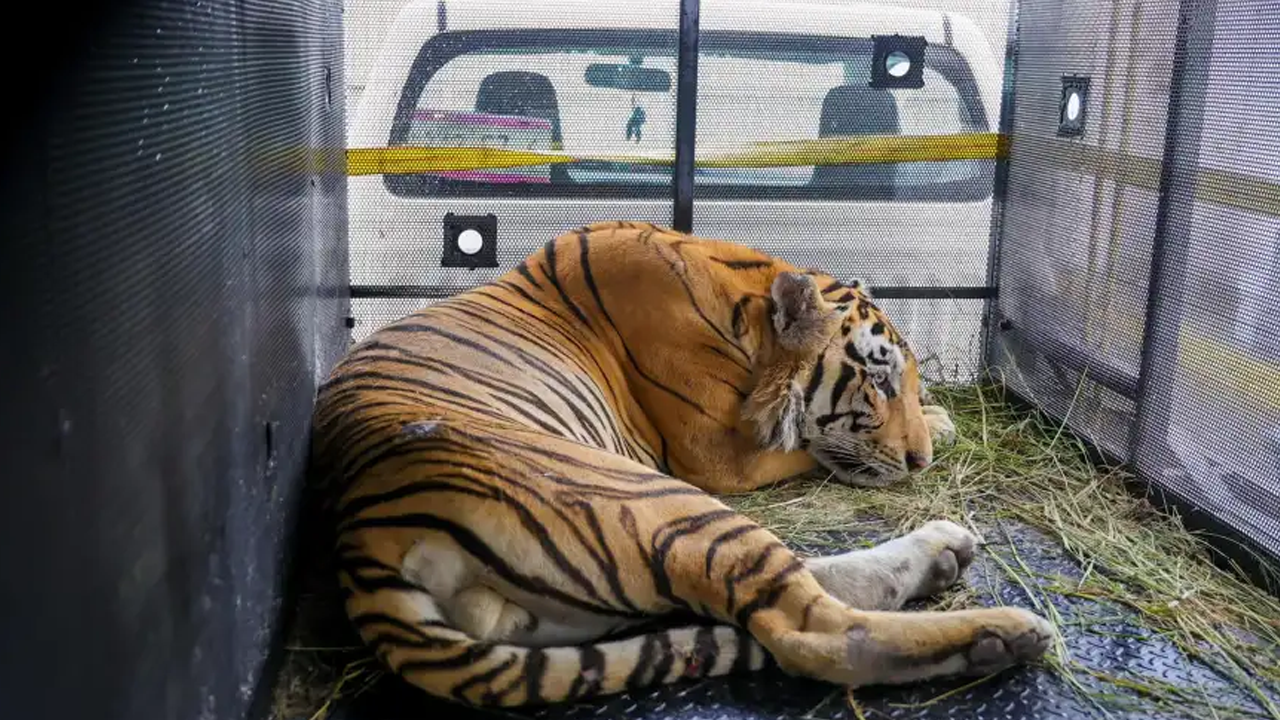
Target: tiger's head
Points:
(841, 383)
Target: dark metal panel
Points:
(179, 260)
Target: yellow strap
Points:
(857, 150)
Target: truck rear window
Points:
(607, 98)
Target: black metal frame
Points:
(442, 49)
(913, 46)
(1077, 85)
(1000, 190)
(886, 292)
(1171, 242)
(686, 117)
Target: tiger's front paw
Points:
(952, 548)
(941, 428)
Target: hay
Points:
(1010, 465)
(1006, 465)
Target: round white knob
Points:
(470, 241)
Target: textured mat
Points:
(1115, 658)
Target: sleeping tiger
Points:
(526, 476)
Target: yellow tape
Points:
(378, 161)
(858, 150)
(862, 150)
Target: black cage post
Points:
(1171, 245)
(1000, 181)
(686, 117)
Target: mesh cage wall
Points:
(787, 72)
(1174, 364)
(174, 261)
(439, 74)
(508, 75)
(1209, 426)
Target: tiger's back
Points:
(507, 463)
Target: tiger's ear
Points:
(800, 314)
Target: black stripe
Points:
(731, 580)
(415, 638)
(569, 337)
(744, 264)
(393, 448)
(742, 655)
(350, 380)
(637, 679)
(472, 544)
(727, 536)
(736, 320)
(389, 579)
(693, 300)
(508, 394)
(808, 612)
(589, 278)
(459, 691)
(523, 269)
(470, 656)
(825, 420)
(591, 661)
(550, 249)
(365, 501)
(528, 521)
(847, 374)
(815, 380)
(705, 653)
(671, 532)
(765, 600)
(535, 667)
(585, 377)
(666, 657)
(551, 310)
(553, 376)
(607, 562)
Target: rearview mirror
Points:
(628, 77)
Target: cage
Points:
(1068, 207)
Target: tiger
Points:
(526, 480)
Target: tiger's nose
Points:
(916, 461)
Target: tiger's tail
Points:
(413, 640)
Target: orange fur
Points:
(528, 469)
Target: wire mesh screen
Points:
(1139, 141)
(1211, 409)
(598, 82)
(510, 76)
